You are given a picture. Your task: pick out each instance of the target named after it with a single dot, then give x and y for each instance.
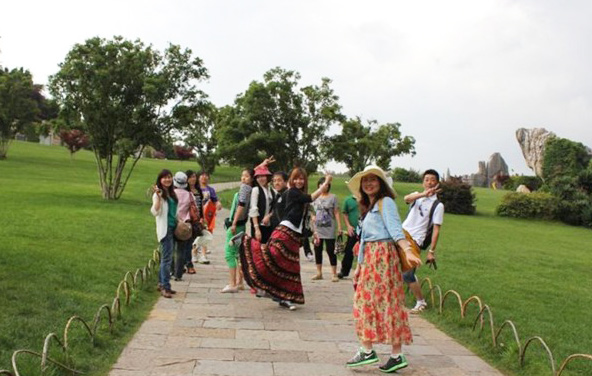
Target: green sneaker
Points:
(393, 364)
(361, 358)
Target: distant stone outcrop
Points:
(489, 172)
(532, 142)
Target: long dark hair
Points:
(366, 203)
(166, 192)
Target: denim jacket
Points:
(381, 227)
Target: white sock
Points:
(367, 351)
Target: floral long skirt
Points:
(379, 301)
(277, 268)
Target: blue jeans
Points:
(166, 258)
(409, 276)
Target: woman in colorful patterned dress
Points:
(275, 270)
(379, 310)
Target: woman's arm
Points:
(337, 216)
(156, 204)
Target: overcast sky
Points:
(460, 76)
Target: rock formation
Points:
(532, 142)
(489, 172)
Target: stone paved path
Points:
(203, 332)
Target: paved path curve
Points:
(203, 332)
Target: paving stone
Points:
(162, 314)
(156, 327)
(204, 332)
(233, 324)
(298, 345)
(136, 359)
(175, 368)
(450, 347)
(312, 369)
(422, 350)
(471, 363)
(197, 353)
(271, 356)
(183, 342)
(225, 368)
(276, 335)
(236, 343)
(188, 323)
(147, 341)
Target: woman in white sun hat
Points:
(379, 299)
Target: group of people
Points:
(184, 197)
(283, 215)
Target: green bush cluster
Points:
(406, 176)
(457, 197)
(535, 205)
(567, 172)
(531, 182)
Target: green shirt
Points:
(350, 208)
(172, 214)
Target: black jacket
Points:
(296, 201)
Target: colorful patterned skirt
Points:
(379, 301)
(276, 269)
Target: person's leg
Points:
(411, 280)
(396, 361)
(179, 262)
(188, 261)
(230, 252)
(330, 248)
(318, 250)
(167, 245)
(348, 257)
(365, 355)
(306, 247)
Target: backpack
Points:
(427, 241)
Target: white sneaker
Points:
(202, 259)
(194, 259)
(229, 289)
(419, 306)
(310, 257)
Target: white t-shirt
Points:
(417, 220)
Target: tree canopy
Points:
(359, 145)
(277, 117)
(126, 95)
(18, 104)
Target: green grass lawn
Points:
(536, 273)
(64, 249)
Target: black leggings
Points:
(348, 255)
(329, 247)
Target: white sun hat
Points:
(354, 183)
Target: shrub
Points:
(406, 176)
(457, 197)
(183, 153)
(74, 139)
(532, 182)
(534, 205)
(564, 157)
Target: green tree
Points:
(127, 96)
(201, 136)
(564, 157)
(18, 107)
(277, 117)
(359, 145)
